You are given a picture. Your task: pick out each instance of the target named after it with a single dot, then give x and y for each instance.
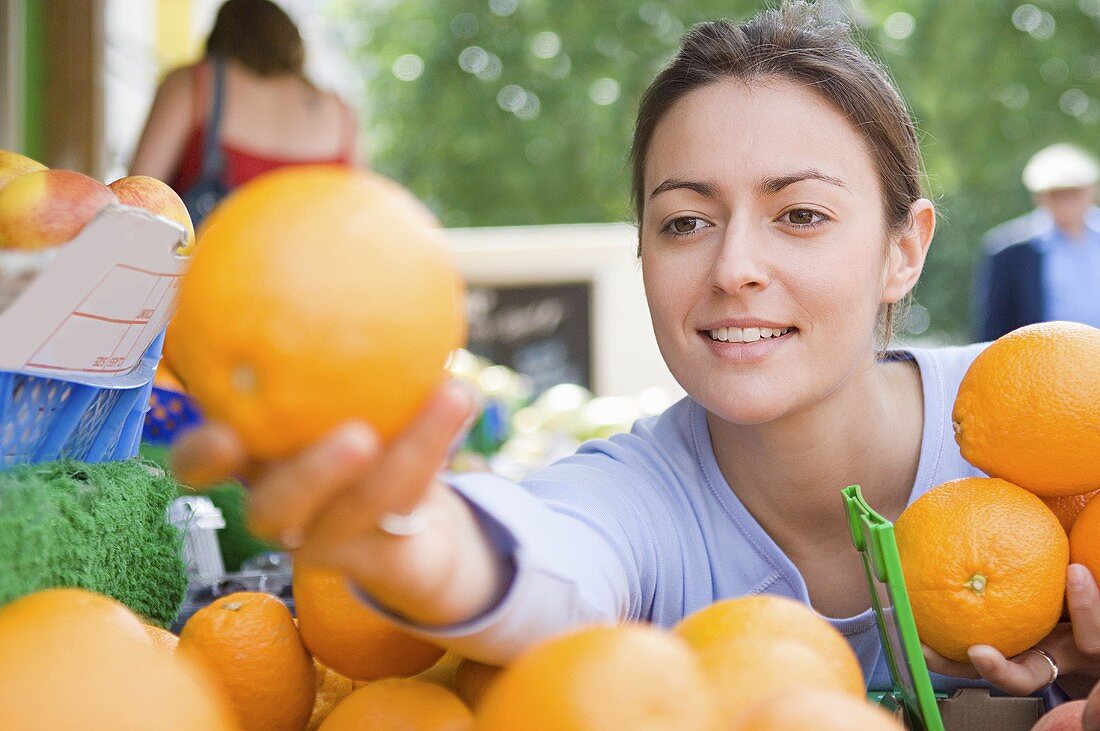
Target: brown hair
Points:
(795, 42)
(259, 35)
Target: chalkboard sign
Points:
(540, 330)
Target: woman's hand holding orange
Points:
(326, 502)
(1074, 646)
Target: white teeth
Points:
(748, 334)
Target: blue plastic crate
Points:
(43, 419)
(170, 413)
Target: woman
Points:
(781, 221)
(272, 115)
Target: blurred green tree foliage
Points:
(514, 112)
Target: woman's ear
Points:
(906, 257)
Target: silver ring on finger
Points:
(401, 525)
(1050, 660)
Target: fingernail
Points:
(1078, 576)
(979, 658)
(356, 438)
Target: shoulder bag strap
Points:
(213, 161)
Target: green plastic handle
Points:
(873, 537)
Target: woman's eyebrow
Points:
(768, 186)
(707, 190)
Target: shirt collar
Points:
(1047, 236)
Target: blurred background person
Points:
(1044, 265)
(267, 114)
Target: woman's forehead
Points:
(761, 128)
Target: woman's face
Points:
(764, 249)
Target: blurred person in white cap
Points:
(1045, 265)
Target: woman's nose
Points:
(740, 262)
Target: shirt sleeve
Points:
(568, 536)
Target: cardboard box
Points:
(974, 709)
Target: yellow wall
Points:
(175, 42)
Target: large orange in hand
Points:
(319, 294)
(1028, 409)
(344, 634)
(985, 563)
(755, 646)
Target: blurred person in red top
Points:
(270, 114)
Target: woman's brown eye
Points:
(801, 217)
(683, 225)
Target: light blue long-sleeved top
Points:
(643, 526)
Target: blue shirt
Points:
(1071, 274)
(643, 526)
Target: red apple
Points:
(12, 165)
(1066, 717)
(141, 191)
(48, 207)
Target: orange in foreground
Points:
(1084, 539)
(756, 646)
(985, 563)
(249, 646)
(71, 659)
(320, 294)
(800, 709)
(400, 703)
(1028, 409)
(627, 677)
(350, 638)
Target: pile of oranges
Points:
(73, 659)
(985, 559)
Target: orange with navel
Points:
(350, 638)
(1028, 409)
(985, 563)
(319, 294)
(248, 645)
(755, 646)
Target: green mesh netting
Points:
(101, 527)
